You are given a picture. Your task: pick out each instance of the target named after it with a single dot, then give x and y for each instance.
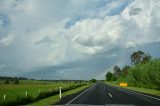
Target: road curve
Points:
(103, 94)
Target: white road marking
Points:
(79, 95)
(126, 90)
(110, 95)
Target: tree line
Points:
(143, 72)
(13, 80)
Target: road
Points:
(103, 94)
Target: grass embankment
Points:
(16, 94)
(143, 75)
(145, 90)
(138, 89)
(55, 99)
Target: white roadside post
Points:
(39, 90)
(60, 95)
(4, 97)
(26, 93)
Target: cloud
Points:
(2, 66)
(4, 25)
(134, 11)
(93, 35)
(6, 40)
(39, 34)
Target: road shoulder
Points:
(145, 91)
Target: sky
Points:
(75, 39)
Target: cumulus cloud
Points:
(134, 11)
(6, 40)
(93, 35)
(40, 33)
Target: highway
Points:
(103, 94)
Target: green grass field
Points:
(33, 88)
(54, 99)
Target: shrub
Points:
(144, 75)
(6, 81)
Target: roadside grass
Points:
(54, 99)
(113, 83)
(138, 89)
(35, 90)
(145, 90)
(142, 75)
(2, 81)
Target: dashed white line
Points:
(129, 91)
(110, 95)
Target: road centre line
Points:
(131, 91)
(110, 95)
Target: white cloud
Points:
(6, 41)
(119, 30)
(35, 31)
(93, 35)
(130, 44)
(143, 19)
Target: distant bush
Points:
(12, 81)
(15, 81)
(93, 80)
(6, 81)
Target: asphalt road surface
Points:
(103, 94)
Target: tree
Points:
(6, 81)
(125, 70)
(110, 76)
(116, 70)
(146, 58)
(93, 80)
(139, 57)
(136, 57)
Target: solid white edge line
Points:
(126, 90)
(78, 95)
(110, 95)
